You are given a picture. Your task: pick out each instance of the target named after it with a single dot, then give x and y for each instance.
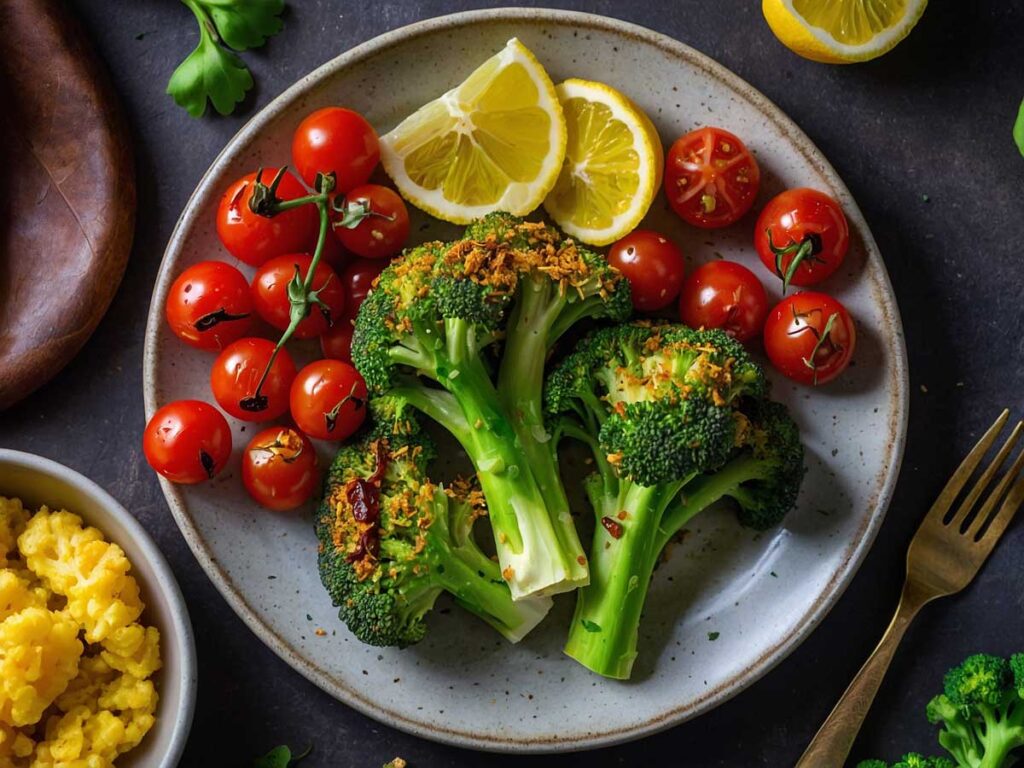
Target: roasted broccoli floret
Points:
(910, 760)
(391, 541)
(422, 334)
(981, 710)
(676, 421)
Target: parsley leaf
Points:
(245, 24)
(212, 72)
(1018, 129)
(279, 757)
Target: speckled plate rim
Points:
(166, 584)
(882, 288)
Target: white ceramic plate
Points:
(463, 684)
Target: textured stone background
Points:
(922, 138)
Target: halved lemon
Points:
(493, 143)
(613, 164)
(841, 31)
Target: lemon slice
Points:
(613, 164)
(841, 31)
(493, 143)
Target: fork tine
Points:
(1003, 517)
(960, 518)
(994, 497)
(965, 470)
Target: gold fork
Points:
(945, 554)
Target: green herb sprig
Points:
(280, 757)
(213, 72)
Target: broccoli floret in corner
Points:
(910, 760)
(981, 711)
(422, 334)
(676, 422)
(391, 541)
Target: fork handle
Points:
(831, 744)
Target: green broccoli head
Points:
(565, 281)
(392, 318)
(503, 227)
(775, 467)
(910, 760)
(662, 441)
(371, 526)
(390, 541)
(643, 361)
(981, 679)
(981, 712)
(1017, 668)
(660, 397)
(917, 760)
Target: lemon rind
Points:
(821, 46)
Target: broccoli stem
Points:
(475, 582)
(520, 386)
(603, 635)
(1003, 733)
(705, 490)
(532, 558)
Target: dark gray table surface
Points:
(922, 138)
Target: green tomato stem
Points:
(300, 306)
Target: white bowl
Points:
(37, 481)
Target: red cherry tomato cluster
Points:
(271, 221)
(801, 237)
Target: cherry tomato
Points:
(810, 337)
(373, 222)
(237, 372)
(270, 295)
(711, 178)
(802, 236)
(253, 238)
(279, 468)
(726, 295)
(187, 441)
(328, 400)
(654, 266)
(209, 305)
(358, 278)
(336, 342)
(336, 140)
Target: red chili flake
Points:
(370, 542)
(369, 545)
(614, 529)
(365, 500)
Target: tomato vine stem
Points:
(301, 297)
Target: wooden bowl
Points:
(67, 193)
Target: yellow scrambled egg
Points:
(75, 663)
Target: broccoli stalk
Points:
(421, 334)
(391, 541)
(659, 408)
(557, 284)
